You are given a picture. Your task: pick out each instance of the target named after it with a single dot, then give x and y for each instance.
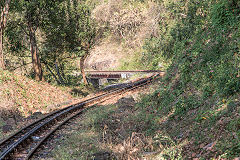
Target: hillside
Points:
(26, 96)
(127, 24)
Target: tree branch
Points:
(24, 30)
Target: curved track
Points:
(26, 141)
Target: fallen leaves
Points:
(28, 95)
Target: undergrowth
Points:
(198, 100)
(109, 129)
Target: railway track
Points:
(24, 143)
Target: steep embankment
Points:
(20, 94)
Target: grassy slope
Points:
(27, 96)
(198, 102)
(202, 128)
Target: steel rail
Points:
(50, 133)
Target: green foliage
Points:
(225, 14)
(69, 28)
(201, 42)
(70, 33)
(15, 45)
(63, 30)
(232, 148)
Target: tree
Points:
(86, 34)
(31, 17)
(4, 7)
(58, 36)
(70, 30)
(86, 39)
(26, 16)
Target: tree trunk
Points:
(2, 64)
(34, 51)
(4, 14)
(82, 60)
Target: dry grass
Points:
(128, 22)
(109, 129)
(27, 96)
(103, 129)
(129, 25)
